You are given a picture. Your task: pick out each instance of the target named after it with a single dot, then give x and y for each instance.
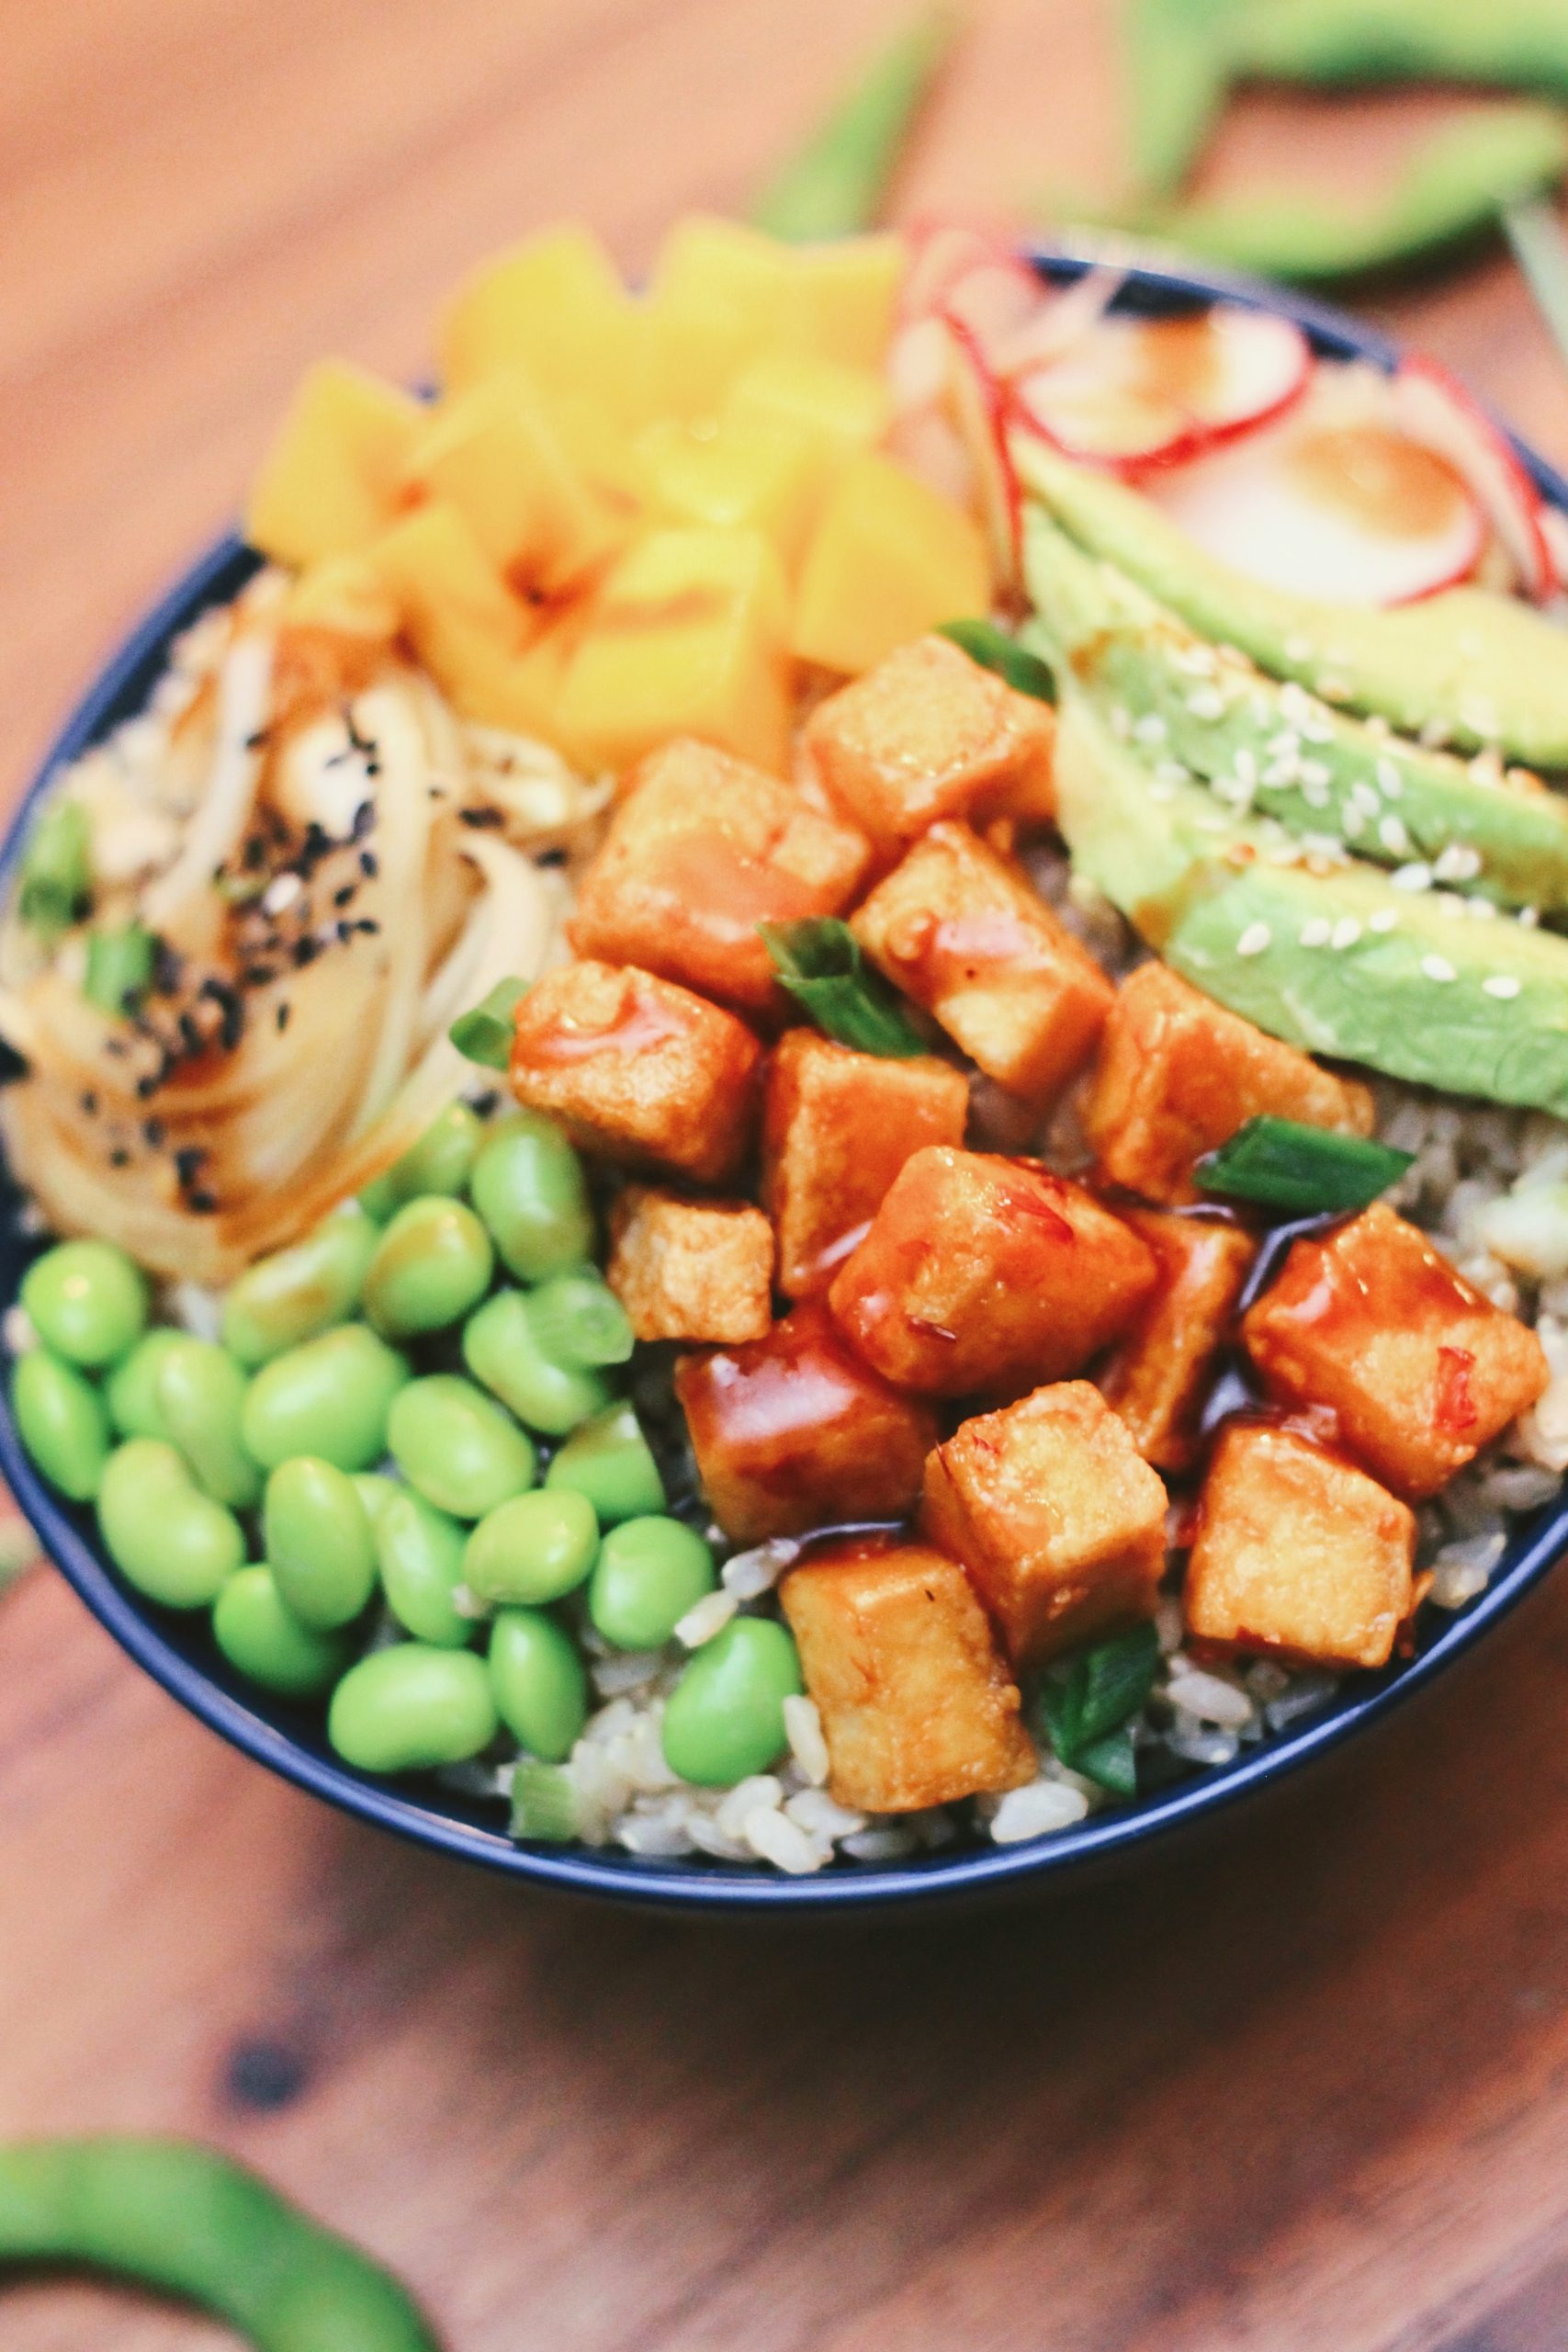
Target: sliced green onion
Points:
(993, 648)
(839, 181)
(1087, 1703)
(57, 873)
(484, 1035)
(543, 1802)
(819, 962)
(120, 964)
(1281, 1164)
(579, 1321)
(1111, 1762)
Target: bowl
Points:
(180, 1656)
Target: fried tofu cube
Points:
(965, 936)
(929, 734)
(837, 1128)
(1297, 1554)
(1156, 1377)
(1177, 1075)
(698, 1271)
(917, 1707)
(702, 848)
(985, 1274)
(1056, 1516)
(793, 1431)
(1420, 1370)
(638, 1069)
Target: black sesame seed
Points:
(191, 1037)
(152, 1134)
(204, 1203)
(369, 864)
(368, 925)
(551, 857)
(90, 1103)
(256, 976)
(187, 1162)
(481, 819)
(254, 852)
(341, 897)
(282, 1015)
(119, 1158)
(306, 951)
(364, 818)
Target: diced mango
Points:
(554, 303)
(686, 636)
(330, 480)
(459, 617)
(739, 477)
(845, 409)
(837, 300)
(683, 352)
(346, 593)
(888, 560)
(847, 291)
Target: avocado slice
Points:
(1331, 957)
(1206, 711)
(1466, 667)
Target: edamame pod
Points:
(528, 1185)
(412, 1707)
(167, 1538)
(432, 1264)
(131, 1392)
(201, 1396)
(317, 1541)
(330, 1398)
(419, 1551)
(534, 1548)
(648, 1573)
(87, 1301)
(500, 1348)
(540, 1682)
(457, 1446)
(61, 1420)
(725, 1718)
(288, 1298)
(263, 1639)
(610, 1461)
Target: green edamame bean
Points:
(540, 1682)
(317, 1541)
(528, 1185)
(724, 1718)
(288, 1297)
(610, 1461)
(165, 1536)
(577, 1320)
(533, 1548)
(86, 1300)
(440, 1160)
(377, 1200)
(201, 1395)
(263, 1639)
(502, 1349)
(374, 1491)
(648, 1573)
(419, 1554)
(432, 1262)
(458, 1447)
(131, 1392)
(61, 1421)
(329, 1396)
(411, 1707)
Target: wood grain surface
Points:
(1303, 2090)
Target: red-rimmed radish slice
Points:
(1435, 409)
(1554, 525)
(1061, 321)
(1348, 514)
(1099, 424)
(942, 254)
(1139, 392)
(917, 363)
(978, 408)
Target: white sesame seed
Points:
(1245, 766)
(1377, 727)
(1318, 728)
(1354, 820)
(1481, 910)
(1206, 702)
(281, 893)
(1528, 917)
(1332, 688)
(1172, 773)
(1438, 968)
(1151, 729)
(1315, 933)
(1316, 771)
(1316, 793)
(1501, 985)
(1254, 939)
(1457, 863)
(1394, 837)
(1346, 932)
(1389, 778)
(1285, 745)
(1412, 877)
(1385, 919)
(1280, 774)
(1363, 796)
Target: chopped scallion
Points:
(57, 873)
(1281, 1164)
(484, 1035)
(120, 964)
(819, 962)
(839, 182)
(543, 1802)
(1088, 1703)
(993, 648)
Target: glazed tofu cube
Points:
(1055, 1515)
(702, 849)
(793, 1431)
(691, 1270)
(1419, 1370)
(837, 1128)
(929, 734)
(917, 1707)
(1156, 1378)
(1177, 1075)
(963, 935)
(985, 1274)
(638, 1069)
(1297, 1554)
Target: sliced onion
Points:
(1437, 410)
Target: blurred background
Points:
(1306, 2087)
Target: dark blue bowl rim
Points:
(285, 1746)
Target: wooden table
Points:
(1307, 2089)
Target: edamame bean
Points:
(263, 1639)
(86, 1300)
(528, 1185)
(131, 1392)
(419, 1554)
(457, 1446)
(577, 1320)
(285, 1299)
(533, 1548)
(432, 1264)
(201, 1395)
(538, 1681)
(725, 1718)
(165, 1536)
(440, 1160)
(501, 1349)
(411, 1707)
(329, 1396)
(648, 1573)
(374, 1491)
(317, 1541)
(61, 1421)
(610, 1461)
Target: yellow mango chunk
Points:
(346, 593)
(844, 409)
(888, 560)
(739, 477)
(554, 304)
(462, 621)
(682, 353)
(834, 299)
(847, 291)
(497, 454)
(329, 482)
(686, 636)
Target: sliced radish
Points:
(1060, 322)
(942, 254)
(1439, 411)
(1349, 514)
(1141, 392)
(1555, 537)
(978, 408)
